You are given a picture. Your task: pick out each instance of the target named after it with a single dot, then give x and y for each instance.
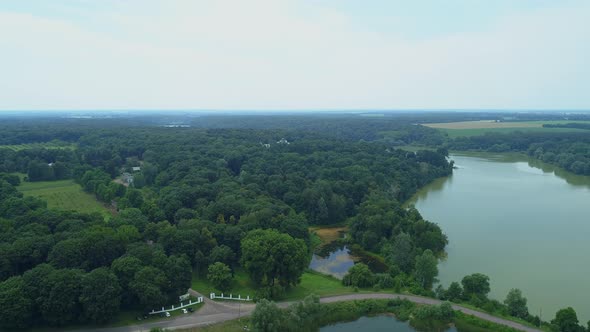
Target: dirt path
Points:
(214, 312)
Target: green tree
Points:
(100, 296)
(426, 269)
(268, 255)
(68, 253)
(516, 303)
(566, 320)
(179, 272)
(455, 292)
(125, 269)
(149, 286)
(401, 252)
(268, 317)
(223, 254)
(60, 295)
(220, 276)
(305, 313)
(476, 284)
(322, 212)
(16, 308)
(200, 262)
(359, 275)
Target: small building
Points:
(283, 141)
(127, 178)
(136, 169)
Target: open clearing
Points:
(64, 195)
(46, 145)
(474, 128)
(311, 283)
(483, 124)
(328, 234)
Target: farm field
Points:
(474, 128)
(64, 195)
(46, 145)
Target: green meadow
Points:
(45, 145)
(64, 195)
(311, 283)
(481, 131)
(463, 128)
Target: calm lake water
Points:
(523, 223)
(336, 263)
(335, 260)
(377, 323)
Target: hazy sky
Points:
(282, 54)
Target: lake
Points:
(376, 323)
(523, 223)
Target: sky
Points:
(294, 54)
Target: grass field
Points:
(475, 128)
(64, 195)
(46, 145)
(232, 325)
(328, 234)
(311, 283)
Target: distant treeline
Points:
(568, 150)
(576, 125)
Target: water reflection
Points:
(336, 263)
(336, 258)
(376, 323)
(570, 178)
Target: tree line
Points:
(568, 150)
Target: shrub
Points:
(359, 275)
(384, 280)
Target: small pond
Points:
(335, 263)
(336, 258)
(375, 323)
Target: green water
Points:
(521, 222)
(377, 323)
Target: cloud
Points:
(264, 54)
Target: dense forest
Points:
(193, 200)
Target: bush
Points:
(384, 280)
(432, 318)
(359, 275)
(269, 292)
(220, 276)
(401, 308)
(268, 317)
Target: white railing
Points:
(190, 302)
(212, 296)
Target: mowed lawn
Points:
(475, 128)
(311, 283)
(64, 195)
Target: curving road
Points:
(216, 312)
